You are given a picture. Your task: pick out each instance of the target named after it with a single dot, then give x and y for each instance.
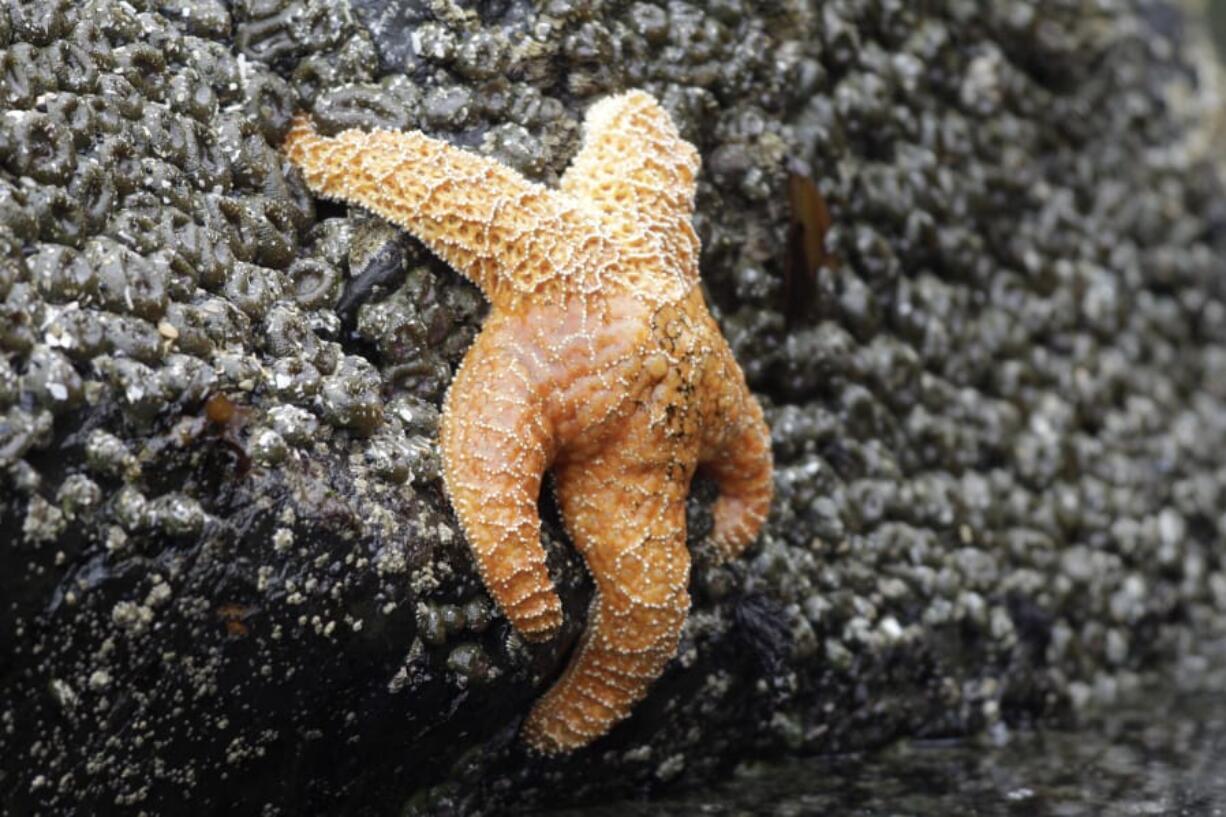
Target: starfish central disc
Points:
(599, 360)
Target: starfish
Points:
(599, 361)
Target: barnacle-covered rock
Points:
(966, 253)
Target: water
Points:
(1163, 753)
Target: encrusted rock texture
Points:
(229, 579)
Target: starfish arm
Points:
(737, 455)
(496, 447)
(506, 234)
(628, 521)
(635, 167)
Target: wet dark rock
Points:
(229, 572)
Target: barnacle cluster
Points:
(997, 409)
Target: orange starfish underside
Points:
(599, 360)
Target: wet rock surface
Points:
(1156, 751)
(229, 578)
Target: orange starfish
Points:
(599, 360)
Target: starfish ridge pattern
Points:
(599, 360)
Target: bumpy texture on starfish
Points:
(599, 360)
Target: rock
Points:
(229, 574)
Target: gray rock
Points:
(230, 577)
